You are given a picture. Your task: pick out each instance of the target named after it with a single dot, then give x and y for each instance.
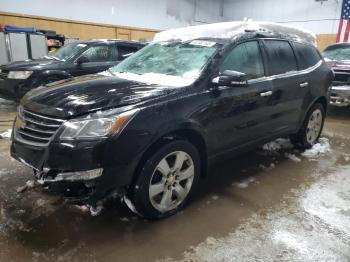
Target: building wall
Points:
(154, 14)
(319, 17)
(140, 19)
(322, 18)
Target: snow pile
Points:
(292, 157)
(6, 134)
(319, 148)
(160, 79)
(232, 29)
(278, 144)
(245, 183)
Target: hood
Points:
(30, 64)
(81, 95)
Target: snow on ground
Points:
(314, 228)
(278, 144)
(319, 148)
(244, 183)
(6, 134)
(292, 157)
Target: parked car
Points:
(150, 130)
(338, 58)
(74, 59)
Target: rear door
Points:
(309, 62)
(286, 80)
(242, 114)
(99, 58)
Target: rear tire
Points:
(311, 128)
(166, 181)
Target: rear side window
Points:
(280, 57)
(125, 51)
(307, 55)
(245, 58)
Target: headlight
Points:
(92, 127)
(19, 74)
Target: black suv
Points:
(152, 127)
(74, 59)
(338, 58)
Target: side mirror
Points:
(82, 60)
(231, 78)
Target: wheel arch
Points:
(191, 135)
(322, 100)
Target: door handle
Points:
(305, 84)
(268, 93)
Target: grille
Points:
(36, 129)
(341, 77)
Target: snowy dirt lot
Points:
(272, 204)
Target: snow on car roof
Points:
(230, 30)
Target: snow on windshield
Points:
(229, 30)
(167, 63)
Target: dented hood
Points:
(78, 96)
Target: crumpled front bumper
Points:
(340, 96)
(56, 158)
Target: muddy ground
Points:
(271, 204)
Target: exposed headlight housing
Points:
(19, 74)
(94, 126)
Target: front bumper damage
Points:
(75, 172)
(340, 96)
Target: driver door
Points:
(242, 114)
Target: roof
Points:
(232, 30)
(95, 41)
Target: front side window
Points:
(98, 54)
(245, 58)
(280, 57)
(168, 63)
(68, 51)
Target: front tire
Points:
(167, 180)
(311, 129)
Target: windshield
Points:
(68, 51)
(341, 52)
(167, 63)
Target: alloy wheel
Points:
(171, 181)
(314, 126)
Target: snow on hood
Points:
(228, 30)
(161, 79)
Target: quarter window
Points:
(280, 57)
(245, 58)
(307, 55)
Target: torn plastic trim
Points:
(74, 176)
(26, 164)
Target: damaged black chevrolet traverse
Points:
(150, 127)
